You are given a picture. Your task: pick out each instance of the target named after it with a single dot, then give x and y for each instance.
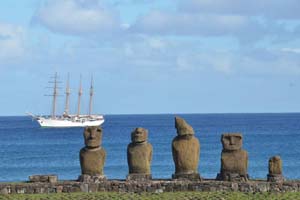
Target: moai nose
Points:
(93, 134)
(231, 141)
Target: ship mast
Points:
(68, 92)
(79, 97)
(91, 97)
(54, 96)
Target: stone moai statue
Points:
(186, 151)
(139, 156)
(275, 169)
(92, 156)
(234, 160)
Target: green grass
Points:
(166, 195)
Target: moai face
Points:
(92, 136)
(139, 135)
(232, 142)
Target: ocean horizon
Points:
(28, 149)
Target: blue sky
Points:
(152, 56)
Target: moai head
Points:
(182, 127)
(92, 136)
(275, 165)
(232, 141)
(139, 135)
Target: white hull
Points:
(66, 122)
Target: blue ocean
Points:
(27, 149)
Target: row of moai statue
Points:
(185, 151)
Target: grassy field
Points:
(167, 195)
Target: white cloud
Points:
(146, 47)
(77, 17)
(279, 9)
(165, 55)
(187, 24)
(247, 21)
(12, 42)
(292, 50)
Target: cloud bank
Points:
(77, 17)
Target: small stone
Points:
(43, 178)
(52, 179)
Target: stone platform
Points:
(155, 186)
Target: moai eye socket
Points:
(226, 139)
(236, 139)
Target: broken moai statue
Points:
(186, 151)
(275, 169)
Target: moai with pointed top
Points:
(139, 156)
(275, 169)
(186, 151)
(234, 160)
(92, 156)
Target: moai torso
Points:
(234, 160)
(92, 161)
(139, 152)
(92, 156)
(185, 149)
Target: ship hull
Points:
(65, 123)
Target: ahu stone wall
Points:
(154, 186)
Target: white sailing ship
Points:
(69, 120)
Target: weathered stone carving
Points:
(234, 160)
(275, 169)
(186, 151)
(139, 155)
(92, 156)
